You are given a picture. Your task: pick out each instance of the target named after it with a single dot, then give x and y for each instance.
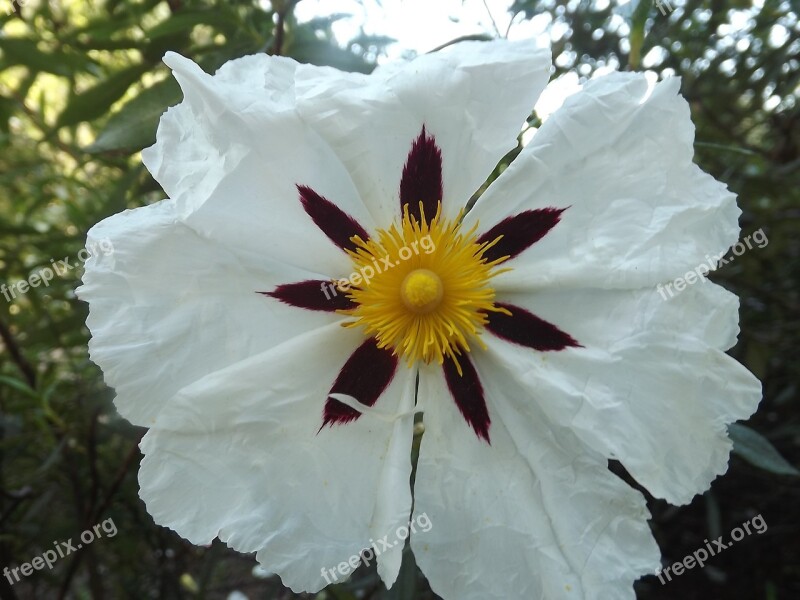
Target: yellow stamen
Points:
(434, 299)
(421, 291)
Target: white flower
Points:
(541, 344)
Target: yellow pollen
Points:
(421, 291)
(426, 290)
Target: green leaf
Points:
(134, 126)
(758, 451)
(101, 31)
(26, 52)
(220, 18)
(725, 148)
(97, 100)
(6, 112)
(18, 385)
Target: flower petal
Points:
(641, 212)
(422, 178)
(232, 156)
(312, 294)
(472, 98)
(168, 307)
(705, 311)
(535, 515)
(237, 456)
(519, 232)
(364, 376)
(466, 390)
(526, 329)
(335, 223)
(651, 387)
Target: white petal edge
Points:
(658, 402)
(237, 455)
(167, 307)
(232, 154)
(618, 157)
(532, 516)
(472, 97)
(602, 318)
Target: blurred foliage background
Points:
(81, 91)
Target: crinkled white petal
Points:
(603, 318)
(394, 486)
(619, 155)
(473, 98)
(167, 307)
(232, 154)
(238, 456)
(657, 400)
(533, 516)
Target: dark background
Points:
(81, 91)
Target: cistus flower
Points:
(314, 282)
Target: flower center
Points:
(425, 289)
(421, 291)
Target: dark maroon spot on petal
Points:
(526, 329)
(313, 294)
(365, 376)
(520, 231)
(332, 220)
(422, 177)
(467, 391)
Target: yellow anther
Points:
(429, 293)
(421, 291)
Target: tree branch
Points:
(16, 355)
